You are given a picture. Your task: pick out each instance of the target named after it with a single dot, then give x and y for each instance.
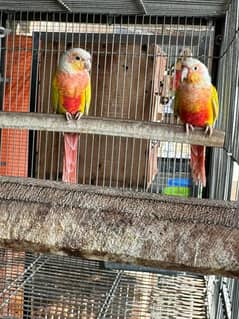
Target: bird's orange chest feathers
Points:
(195, 105)
(71, 87)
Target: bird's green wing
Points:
(87, 98)
(55, 96)
(215, 103)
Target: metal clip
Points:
(4, 80)
(4, 32)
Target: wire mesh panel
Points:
(48, 286)
(223, 301)
(224, 164)
(228, 80)
(132, 78)
(160, 7)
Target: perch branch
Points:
(126, 227)
(110, 127)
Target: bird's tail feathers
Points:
(70, 158)
(198, 164)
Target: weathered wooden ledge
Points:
(110, 127)
(113, 225)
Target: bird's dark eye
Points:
(195, 68)
(77, 58)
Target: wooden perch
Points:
(127, 227)
(110, 127)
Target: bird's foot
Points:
(78, 115)
(208, 130)
(188, 128)
(68, 116)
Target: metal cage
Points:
(48, 286)
(132, 79)
(134, 58)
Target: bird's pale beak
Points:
(184, 74)
(87, 65)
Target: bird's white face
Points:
(193, 71)
(75, 60)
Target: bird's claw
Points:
(68, 116)
(208, 130)
(78, 115)
(189, 127)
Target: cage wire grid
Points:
(127, 51)
(132, 78)
(48, 286)
(224, 164)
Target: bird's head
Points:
(75, 60)
(194, 71)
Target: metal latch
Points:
(3, 33)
